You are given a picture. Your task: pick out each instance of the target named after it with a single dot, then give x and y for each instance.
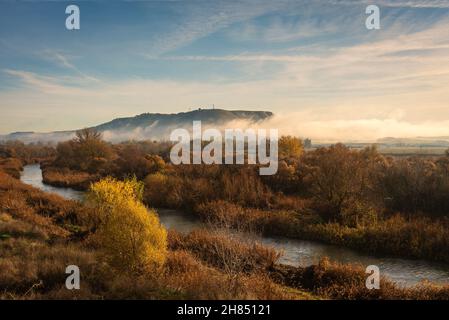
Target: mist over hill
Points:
(154, 126)
(158, 126)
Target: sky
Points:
(313, 63)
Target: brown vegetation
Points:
(38, 242)
(418, 237)
(41, 234)
(28, 153)
(187, 186)
(358, 199)
(341, 281)
(266, 222)
(86, 152)
(326, 280)
(225, 250)
(64, 177)
(47, 212)
(11, 166)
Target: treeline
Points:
(351, 186)
(343, 185)
(26, 152)
(87, 152)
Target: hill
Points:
(154, 126)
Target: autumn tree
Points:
(129, 234)
(417, 185)
(132, 160)
(343, 181)
(163, 190)
(86, 152)
(290, 147)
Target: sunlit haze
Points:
(315, 66)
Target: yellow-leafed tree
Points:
(130, 235)
(290, 147)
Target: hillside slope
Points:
(155, 126)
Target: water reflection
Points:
(32, 175)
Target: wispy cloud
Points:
(64, 61)
(42, 83)
(204, 18)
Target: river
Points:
(405, 272)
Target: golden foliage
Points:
(131, 236)
(290, 147)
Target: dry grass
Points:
(196, 280)
(50, 212)
(13, 228)
(217, 265)
(224, 250)
(35, 245)
(337, 281)
(229, 215)
(11, 166)
(32, 269)
(422, 237)
(68, 178)
(415, 237)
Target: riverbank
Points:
(397, 236)
(66, 178)
(294, 251)
(41, 234)
(328, 280)
(417, 238)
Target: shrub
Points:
(131, 236)
(224, 250)
(11, 166)
(162, 190)
(228, 215)
(344, 281)
(195, 280)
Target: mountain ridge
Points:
(155, 126)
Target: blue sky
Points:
(310, 62)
